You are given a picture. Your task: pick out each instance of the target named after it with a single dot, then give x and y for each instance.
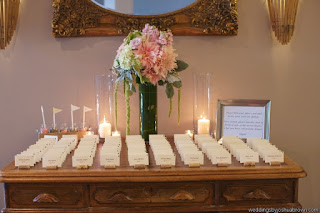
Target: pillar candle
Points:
(104, 129)
(203, 126)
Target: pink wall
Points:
(37, 69)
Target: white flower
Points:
(126, 58)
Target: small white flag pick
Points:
(43, 120)
(55, 111)
(73, 108)
(85, 109)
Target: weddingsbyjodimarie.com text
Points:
(279, 210)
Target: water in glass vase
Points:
(148, 110)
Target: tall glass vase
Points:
(203, 121)
(148, 110)
(104, 104)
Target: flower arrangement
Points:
(147, 57)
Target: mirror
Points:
(9, 12)
(143, 7)
(119, 17)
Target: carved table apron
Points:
(125, 189)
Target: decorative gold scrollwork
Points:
(119, 197)
(72, 18)
(84, 18)
(150, 191)
(257, 194)
(182, 195)
(125, 25)
(45, 198)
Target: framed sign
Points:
(243, 118)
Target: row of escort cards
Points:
(192, 152)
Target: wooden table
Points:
(125, 189)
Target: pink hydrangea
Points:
(153, 50)
(148, 52)
(152, 33)
(135, 43)
(165, 38)
(151, 75)
(169, 59)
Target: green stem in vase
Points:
(127, 97)
(179, 105)
(116, 105)
(148, 110)
(170, 110)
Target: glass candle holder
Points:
(116, 133)
(203, 120)
(104, 104)
(89, 133)
(190, 133)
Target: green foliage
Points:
(169, 90)
(132, 35)
(116, 105)
(181, 66)
(177, 84)
(142, 80)
(170, 109)
(173, 77)
(161, 83)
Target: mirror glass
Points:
(143, 7)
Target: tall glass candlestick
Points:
(203, 103)
(104, 103)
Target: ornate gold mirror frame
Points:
(9, 11)
(85, 18)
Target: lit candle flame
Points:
(116, 133)
(190, 133)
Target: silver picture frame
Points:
(242, 102)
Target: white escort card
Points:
(193, 157)
(217, 154)
(137, 152)
(52, 136)
(110, 152)
(162, 151)
(85, 152)
(221, 157)
(75, 137)
(268, 152)
(57, 154)
(188, 151)
(54, 158)
(91, 137)
(201, 137)
(34, 153)
(240, 150)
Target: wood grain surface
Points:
(210, 188)
(126, 173)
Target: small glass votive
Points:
(89, 133)
(190, 133)
(116, 133)
(43, 130)
(64, 128)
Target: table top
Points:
(152, 173)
